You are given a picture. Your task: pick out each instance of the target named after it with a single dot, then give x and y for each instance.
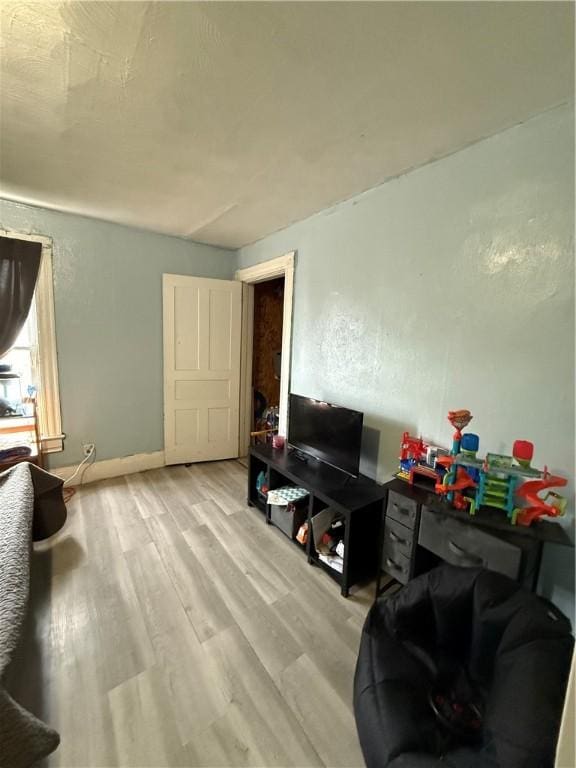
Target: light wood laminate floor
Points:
(172, 627)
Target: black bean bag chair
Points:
(462, 668)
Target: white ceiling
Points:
(224, 122)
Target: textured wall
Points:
(108, 306)
(449, 287)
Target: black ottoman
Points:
(476, 633)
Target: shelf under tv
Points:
(359, 501)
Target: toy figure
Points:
(418, 458)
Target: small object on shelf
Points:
(302, 535)
(10, 388)
(278, 442)
(272, 417)
(286, 509)
(10, 393)
(260, 480)
(286, 494)
(29, 402)
(328, 531)
(418, 458)
(266, 420)
(332, 561)
(412, 451)
(6, 409)
(288, 517)
(261, 487)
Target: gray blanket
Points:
(30, 501)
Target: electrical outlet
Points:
(88, 449)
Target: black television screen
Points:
(328, 432)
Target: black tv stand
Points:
(359, 500)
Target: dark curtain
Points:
(19, 266)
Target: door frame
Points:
(283, 266)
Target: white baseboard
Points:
(101, 470)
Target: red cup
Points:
(278, 441)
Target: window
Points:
(22, 357)
(33, 355)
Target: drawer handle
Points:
(397, 539)
(402, 510)
(391, 564)
(459, 552)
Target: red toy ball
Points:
(523, 449)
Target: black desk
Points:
(358, 500)
(420, 529)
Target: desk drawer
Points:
(401, 509)
(397, 566)
(398, 538)
(465, 544)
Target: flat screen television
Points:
(327, 432)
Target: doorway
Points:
(267, 356)
(267, 293)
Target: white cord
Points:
(79, 467)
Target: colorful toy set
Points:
(418, 458)
(509, 483)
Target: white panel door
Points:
(202, 320)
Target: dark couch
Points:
(474, 632)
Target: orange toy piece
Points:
(459, 419)
(528, 492)
(463, 481)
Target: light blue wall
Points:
(449, 287)
(108, 307)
